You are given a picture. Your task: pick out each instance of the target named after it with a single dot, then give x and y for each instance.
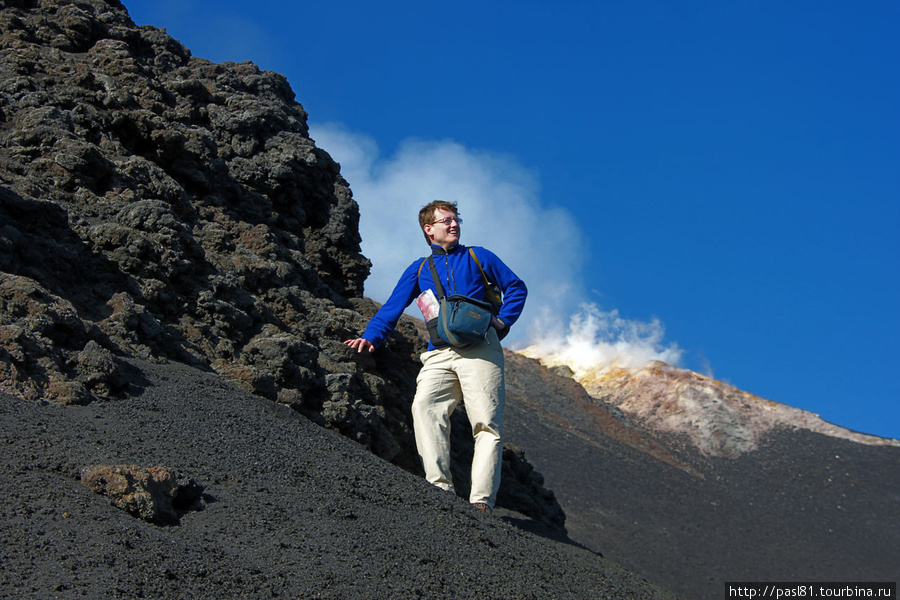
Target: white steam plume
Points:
(595, 339)
(500, 202)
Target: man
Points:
(450, 374)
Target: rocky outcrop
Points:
(152, 494)
(164, 207)
(159, 206)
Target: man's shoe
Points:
(483, 507)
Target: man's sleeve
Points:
(384, 321)
(513, 288)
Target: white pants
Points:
(474, 375)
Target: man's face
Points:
(444, 235)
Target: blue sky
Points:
(719, 180)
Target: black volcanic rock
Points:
(173, 208)
(157, 206)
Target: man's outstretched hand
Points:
(360, 344)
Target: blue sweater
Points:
(459, 275)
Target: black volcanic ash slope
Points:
(288, 510)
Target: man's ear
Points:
(428, 228)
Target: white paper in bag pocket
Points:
(428, 304)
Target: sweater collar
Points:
(439, 251)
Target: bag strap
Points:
(436, 278)
(490, 291)
(434, 275)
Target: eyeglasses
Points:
(449, 220)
